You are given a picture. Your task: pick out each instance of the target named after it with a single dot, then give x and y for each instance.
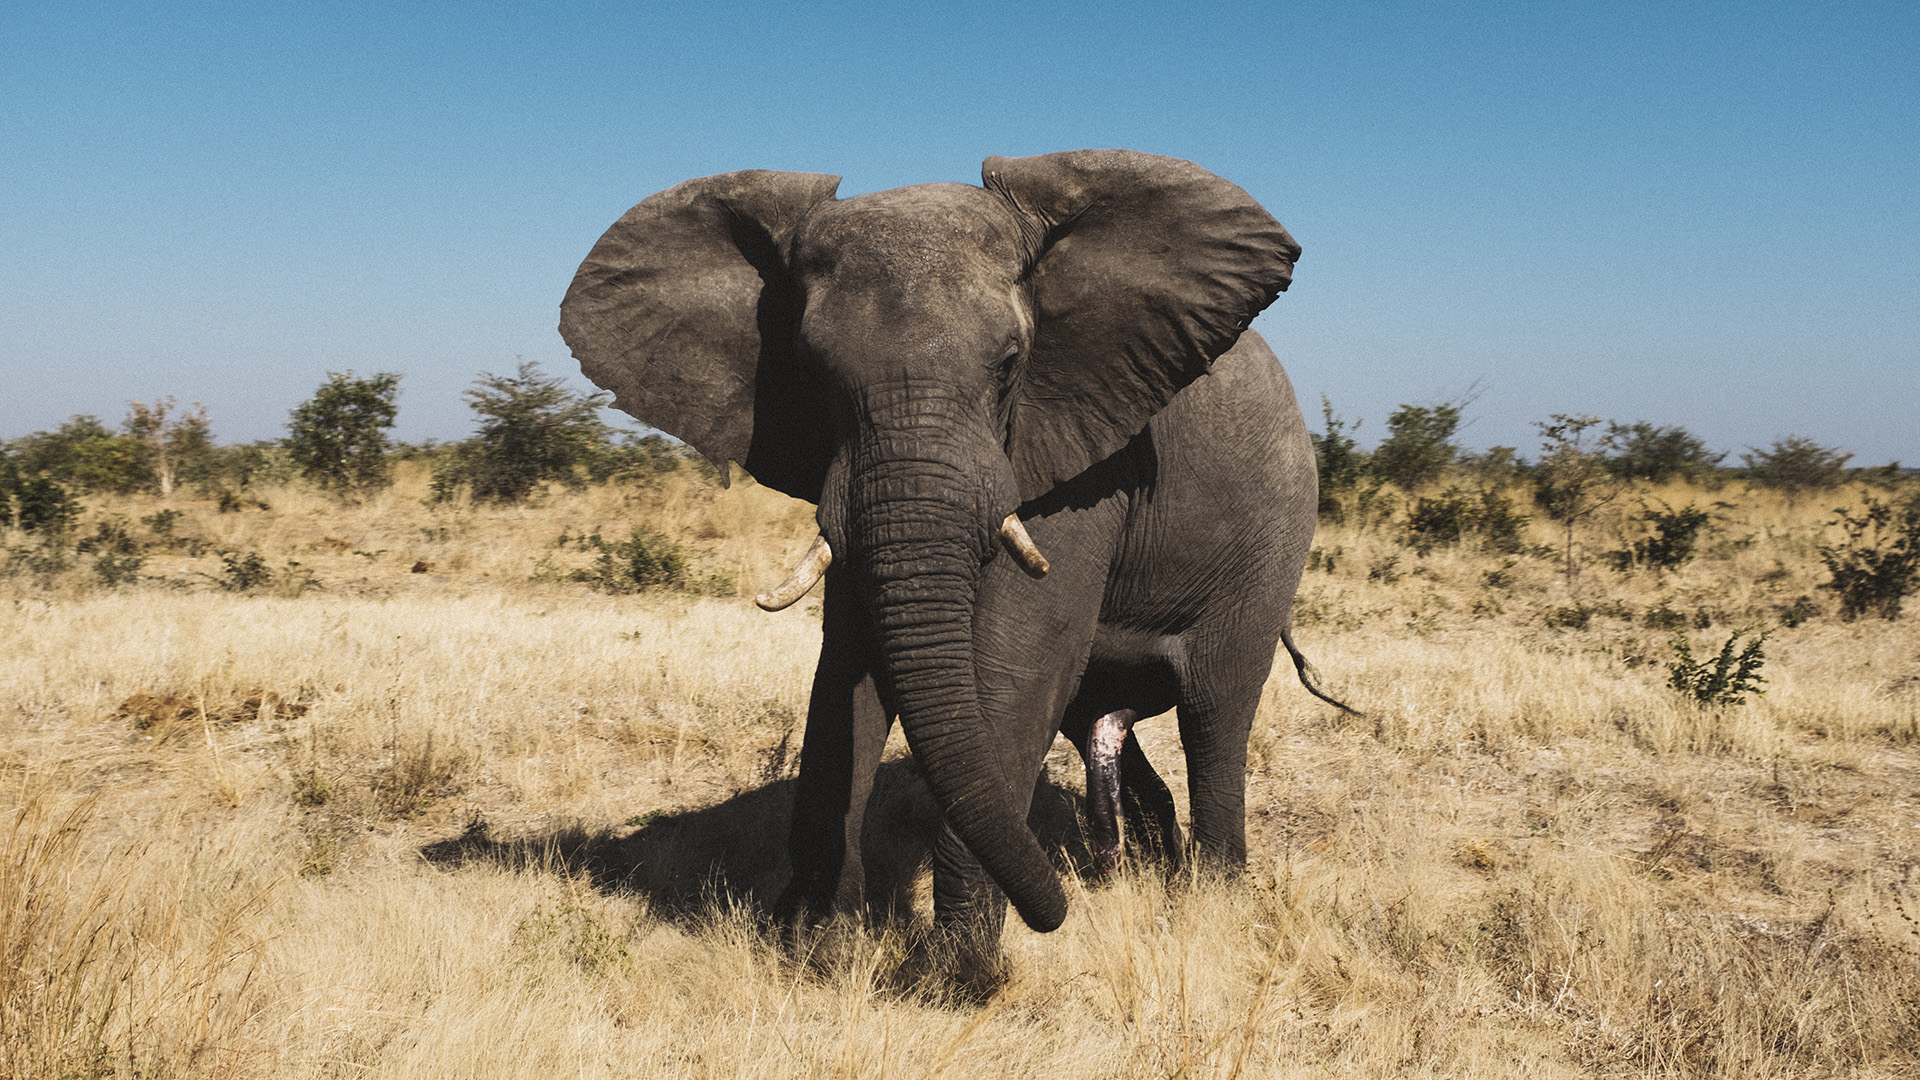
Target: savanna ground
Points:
(422, 806)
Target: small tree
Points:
(1879, 564)
(1338, 459)
(1795, 465)
(170, 444)
(83, 454)
(33, 503)
(1728, 679)
(532, 429)
(1572, 481)
(1418, 446)
(1671, 539)
(338, 437)
(1658, 454)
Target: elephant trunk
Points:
(922, 558)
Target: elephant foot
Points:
(953, 968)
(1105, 740)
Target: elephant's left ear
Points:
(1148, 268)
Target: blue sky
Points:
(1696, 214)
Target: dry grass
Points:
(478, 820)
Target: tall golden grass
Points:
(423, 806)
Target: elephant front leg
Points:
(1106, 739)
(846, 732)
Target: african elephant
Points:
(947, 371)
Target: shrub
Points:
(1802, 609)
(1663, 618)
(1453, 515)
(109, 537)
(174, 448)
(1385, 570)
(1497, 468)
(1418, 446)
(162, 522)
(117, 560)
(116, 570)
(644, 560)
(638, 457)
(1338, 460)
(1795, 465)
(245, 464)
(1570, 618)
(1727, 680)
(1879, 563)
(1438, 522)
(1571, 482)
(243, 573)
(1643, 451)
(532, 429)
(1672, 542)
(84, 455)
(338, 437)
(34, 504)
(1498, 523)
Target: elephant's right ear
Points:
(686, 312)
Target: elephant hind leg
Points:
(1155, 834)
(1106, 740)
(1129, 807)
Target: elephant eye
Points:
(1008, 360)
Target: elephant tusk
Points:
(813, 564)
(1014, 536)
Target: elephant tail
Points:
(1309, 678)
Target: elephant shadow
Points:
(691, 864)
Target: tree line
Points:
(532, 430)
(1419, 449)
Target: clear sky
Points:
(1688, 213)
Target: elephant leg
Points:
(1106, 739)
(846, 732)
(1140, 797)
(969, 915)
(969, 909)
(1214, 722)
(1155, 833)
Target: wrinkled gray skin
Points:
(922, 362)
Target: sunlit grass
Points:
(448, 812)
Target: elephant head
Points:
(919, 363)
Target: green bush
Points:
(1418, 446)
(1727, 680)
(34, 503)
(82, 454)
(117, 558)
(338, 437)
(243, 572)
(1643, 451)
(1452, 516)
(643, 561)
(1879, 563)
(1338, 460)
(110, 537)
(532, 429)
(1795, 465)
(116, 570)
(1438, 522)
(1672, 541)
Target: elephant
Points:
(1060, 485)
